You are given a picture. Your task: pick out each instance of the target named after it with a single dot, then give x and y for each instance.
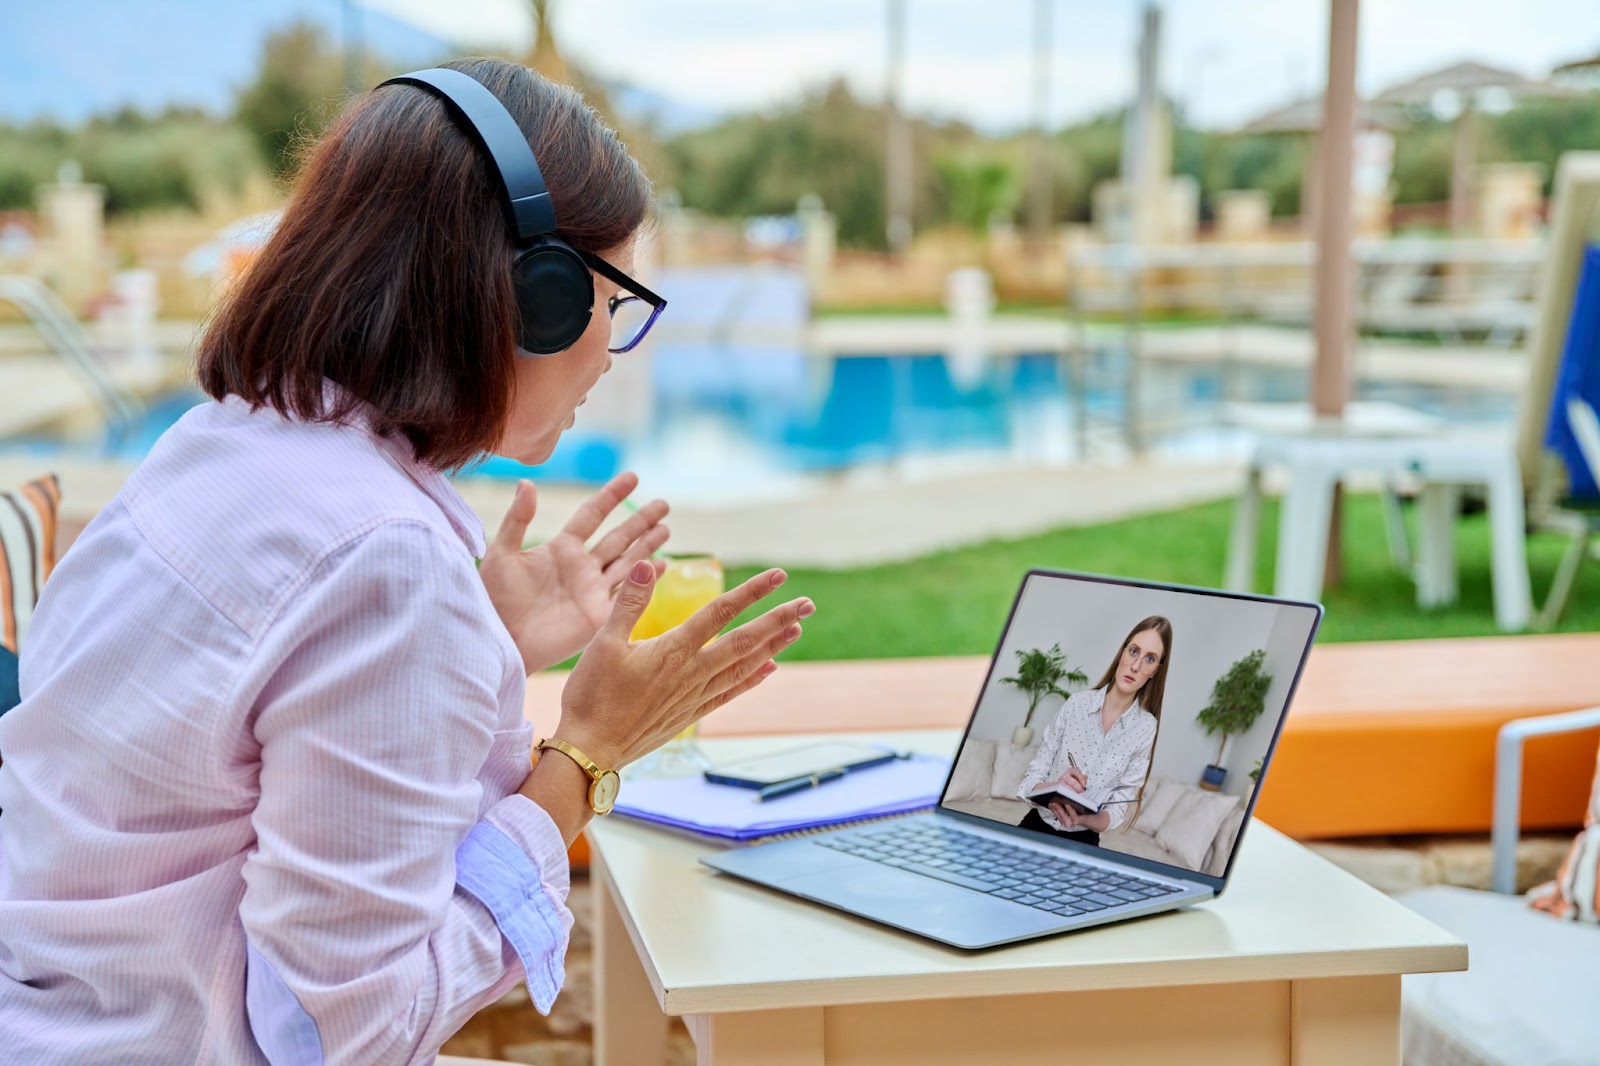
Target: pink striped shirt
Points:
(260, 794)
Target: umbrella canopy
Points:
(1305, 116)
(1465, 78)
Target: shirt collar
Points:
(432, 481)
(1100, 702)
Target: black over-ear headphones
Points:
(554, 289)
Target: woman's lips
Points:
(1127, 677)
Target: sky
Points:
(1227, 60)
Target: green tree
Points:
(1237, 699)
(297, 90)
(1040, 674)
(977, 191)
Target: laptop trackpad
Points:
(920, 904)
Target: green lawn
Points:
(954, 602)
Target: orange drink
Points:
(689, 583)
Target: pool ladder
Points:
(121, 408)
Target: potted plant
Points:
(1039, 674)
(1237, 700)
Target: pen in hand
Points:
(1075, 766)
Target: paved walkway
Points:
(851, 522)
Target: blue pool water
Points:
(784, 412)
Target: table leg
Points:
(1241, 575)
(629, 1027)
(1303, 533)
(758, 1038)
(1438, 508)
(1339, 1020)
(1513, 603)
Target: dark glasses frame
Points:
(657, 303)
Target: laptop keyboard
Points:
(1045, 882)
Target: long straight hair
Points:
(1150, 694)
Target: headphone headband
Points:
(526, 203)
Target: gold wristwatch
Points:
(603, 784)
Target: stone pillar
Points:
(819, 234)
(73, 216)
(1506, 199)
(1243, 214)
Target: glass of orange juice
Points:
(688, 584)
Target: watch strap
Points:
(589, 766)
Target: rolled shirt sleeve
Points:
(380, 911)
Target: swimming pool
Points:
(739, 418)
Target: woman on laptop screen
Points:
(1099, 745)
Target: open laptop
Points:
(969, 875)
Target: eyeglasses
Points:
(632, 315)
(1132, 652)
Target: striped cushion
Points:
(1575, 893)
(27, 553)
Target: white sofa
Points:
(988, 772)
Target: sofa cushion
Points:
(1216, 860)
(27, 555)
(1160, 796)
(1528, 996)
(1191, 827)
(1010, 763)
(1575, 893)
(973, 772)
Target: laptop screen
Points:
(1132, 717)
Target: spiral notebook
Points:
(726, 814)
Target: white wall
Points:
(1090, 621)
(1289, 631)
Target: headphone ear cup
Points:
(555, 297)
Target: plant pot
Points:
(1022, 736)
(1211, 778)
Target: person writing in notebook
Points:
(1103, 738)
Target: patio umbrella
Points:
(1459, 91)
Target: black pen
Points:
(795, 784)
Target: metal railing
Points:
(121, 408)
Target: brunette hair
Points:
(388, 272)
(1150, 693)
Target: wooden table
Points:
(1297, 963)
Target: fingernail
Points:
(779, 578)
(642, 572)
(769, 669)
(807, 609)
(792, 633)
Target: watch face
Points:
(604, 793)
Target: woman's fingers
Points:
(764, 652)
(745, 684)
(702, 626)
(594, 510)
(616, 571)
(756, 634)
(628, 532)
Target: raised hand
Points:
(626, 698)
(554, 597)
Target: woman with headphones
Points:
(268, 794)
(1104, 736)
